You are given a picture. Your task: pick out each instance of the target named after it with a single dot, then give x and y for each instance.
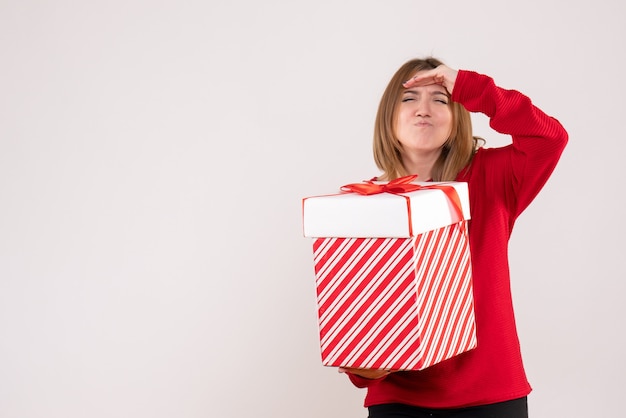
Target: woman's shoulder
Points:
(484, 157)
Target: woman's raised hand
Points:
(442, 75)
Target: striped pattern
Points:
(398, 303)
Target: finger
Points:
(424, 79)
(352, 370)
(419, 81)
(366, 373)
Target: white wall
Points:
(153, 155)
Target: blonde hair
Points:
(458, 150)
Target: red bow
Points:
(399, 185)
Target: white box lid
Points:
(383, 214)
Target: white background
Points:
(153, 157)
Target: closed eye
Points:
(440, 97)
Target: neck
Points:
(421, 165)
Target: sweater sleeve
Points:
(538, 139)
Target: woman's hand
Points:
(366, 373)
(442, 75)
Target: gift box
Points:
(393, 273)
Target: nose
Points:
(423, 109)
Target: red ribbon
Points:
(405, 185)
(399, 185)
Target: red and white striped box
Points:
(393, 276)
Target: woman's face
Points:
(423, 119)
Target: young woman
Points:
(423, 127)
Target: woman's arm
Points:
(538, 139)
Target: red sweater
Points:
(502, 183)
